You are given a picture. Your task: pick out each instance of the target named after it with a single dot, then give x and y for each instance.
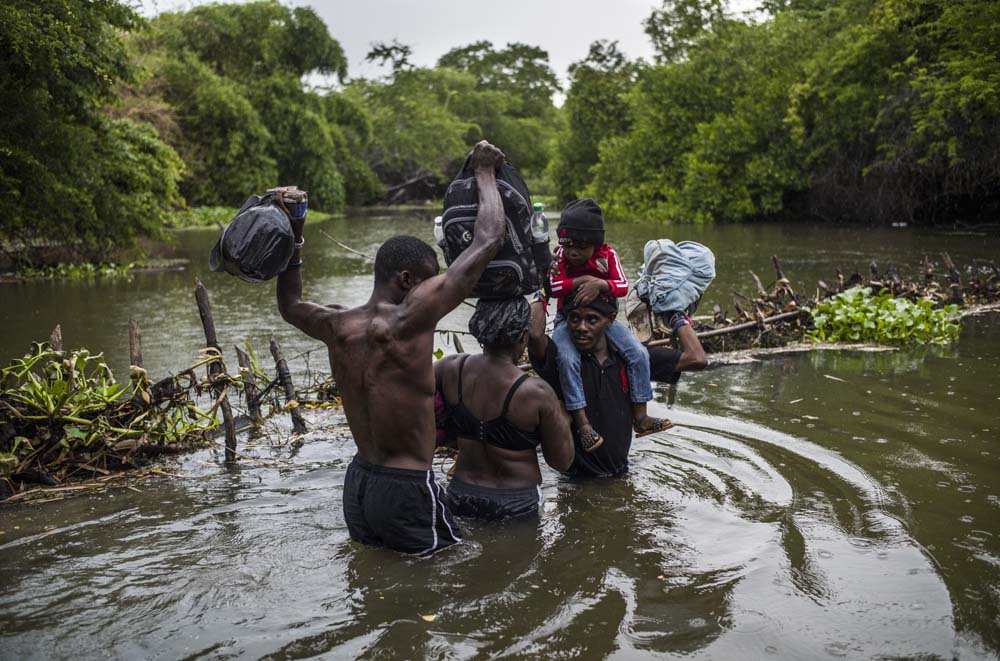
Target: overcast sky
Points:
(565, 28)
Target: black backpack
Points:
(513, 271)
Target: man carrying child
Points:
(584, 268)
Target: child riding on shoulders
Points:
(584, 267)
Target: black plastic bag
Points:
(257, 243)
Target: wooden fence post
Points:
(215, 368)
(55, 339)
(298, 423)
(134, 343)
(249, 387)
(136, 374)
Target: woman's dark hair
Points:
(500, 323)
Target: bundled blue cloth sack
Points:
(675, 275)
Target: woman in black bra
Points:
(500, 416)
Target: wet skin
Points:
(486, 379)
(380, 352)
(587, 327)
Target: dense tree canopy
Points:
(69, 173)
(513, 105)
(596, 108)
(414, 131)
(232, 75)
(870, 110)
(425, 119)
(862, 110)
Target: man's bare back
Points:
(387, 385)
(381, 352)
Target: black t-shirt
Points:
(609, 407)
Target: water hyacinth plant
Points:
(858, 315)
(76, 271)
(61, 411)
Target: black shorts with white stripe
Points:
(397, 508)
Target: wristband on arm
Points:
(541, 298)
(679, 319)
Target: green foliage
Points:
(422, 121)
(679, 25)
(900, 110)
(521, 73)
(413, 129)
(595, 109)
(246, 42)
(69, 173)
(512, 100)
(67, 406)
(870, 110)
(708, 139)
(82, 271)
(222, 137)
(857, 316)
(231, 74)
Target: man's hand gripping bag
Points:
(513, 271)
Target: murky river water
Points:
(826, 505)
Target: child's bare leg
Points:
(589, 438)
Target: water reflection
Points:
(727, 540)
(823, 504)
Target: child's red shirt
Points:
(603, 264)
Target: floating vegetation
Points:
(64, 416)
(197, 217)
(857, 315)
(904, 311)
(75, 271)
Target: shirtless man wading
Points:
(380, 354)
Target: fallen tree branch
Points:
(345, 247)
(738, 327)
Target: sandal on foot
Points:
(659, 424)
(590, 440)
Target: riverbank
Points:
(201, 217)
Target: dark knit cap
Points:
(500, 322)
(581, 221)
(604, 304)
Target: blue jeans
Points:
(623, 341)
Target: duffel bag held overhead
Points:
(257, 243)
(515, 269)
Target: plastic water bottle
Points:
(439, 231)
(540, 251)
(539, 224)
(296, 201)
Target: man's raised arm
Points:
(310, 318)
(435, 298)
